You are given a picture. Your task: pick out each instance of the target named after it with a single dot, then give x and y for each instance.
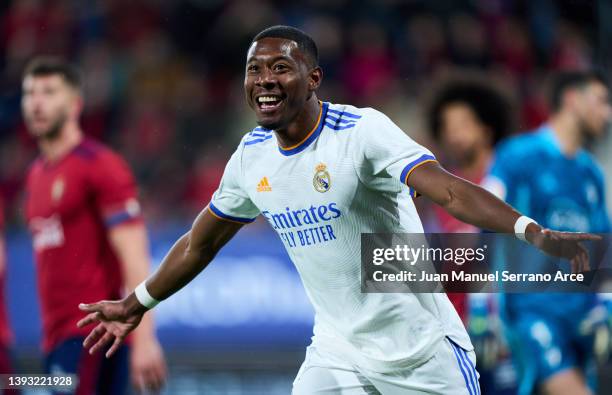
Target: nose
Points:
(266, 79)
(36, 104)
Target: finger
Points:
(575, 236)
(574, 265)
(91, 307)
(104, 340)
(150, 381)
(150, 377)
(579, 263)
(580, 260)
(138, 380)
(94, 335)
(114, 347)
(591, 236)
(156, 375)
(585, 257)
(581, 257)
(161, 370)
(89, 319)
(158, 372)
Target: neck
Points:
(567, 132)
(53, 149)
(475, 168)
(301, 126)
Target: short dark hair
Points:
(565, 80)
(490, 106)
(305, 43)
(49, 65)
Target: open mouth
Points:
(269, 103)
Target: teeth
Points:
(267, 99)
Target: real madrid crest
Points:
(57, 189)
(321, 180)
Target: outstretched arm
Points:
(191, 254)
(188, 257)
(464, 200)
(474, 205)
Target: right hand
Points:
(115, 322)
(562, 245)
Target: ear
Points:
(489, 135)
(77, 105)
(315, 78)
(570, 99)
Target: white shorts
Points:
(451, 370)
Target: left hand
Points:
(562, 245)
(115, 320)
(147, 364)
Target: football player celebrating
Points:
(322, 174)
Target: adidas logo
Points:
(264, 185)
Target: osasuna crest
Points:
(321, 180)
(57, 189)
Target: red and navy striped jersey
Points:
(70, 204)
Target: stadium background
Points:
(163, 86)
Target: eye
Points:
(252, 68)
(280, 67)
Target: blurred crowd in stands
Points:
(163, 80)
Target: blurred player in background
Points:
(467, 117)
(322, 174)
(550, 176)
(88, 235)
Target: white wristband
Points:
(520, 226)
(144, 297)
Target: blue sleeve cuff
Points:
(413, 165)
(219, 214)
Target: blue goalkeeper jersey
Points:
(560, 192)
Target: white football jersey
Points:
(347, 177)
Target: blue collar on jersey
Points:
(311, 137)
(548, 134)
